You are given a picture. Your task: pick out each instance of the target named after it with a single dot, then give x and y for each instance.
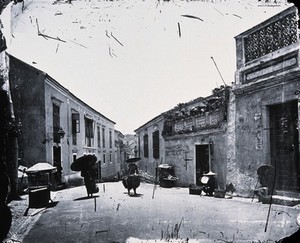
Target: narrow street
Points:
(173, 214)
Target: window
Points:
(103, 158)
(89, 133)
(155, 139)
(56, 123)
(139, 146)
(98, 136)
(146, 150)
(103, 137)
(110, 157)
(75, 127)
(110, 139)
(74, 157)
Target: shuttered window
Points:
(146, 148)
(155, 139)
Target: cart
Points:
(166, 176)
(39, 184)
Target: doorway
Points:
(202, 161)
(284, 141)
(57, 163)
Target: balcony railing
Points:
(270, 38)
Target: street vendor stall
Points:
(39, 184)
(166, 176)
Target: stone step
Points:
(291, 194)
(280, 200)
(284, 200)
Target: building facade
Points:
(151, 145)
(266, 94)
(240, 128)
(58, 127)
(191, 138)
(195, 135)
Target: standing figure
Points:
(86, 164)
(90, 181)
(132, 180)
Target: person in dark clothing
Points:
(132, 169)
(132, 181)
(89, 177)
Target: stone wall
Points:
(181, 154)
(253, 131)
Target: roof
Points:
(59, 85)
(189, 103)
(152, 120)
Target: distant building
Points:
(130, 145)
(191, 138)
(121, 155)
(58, 127)
(266, 90)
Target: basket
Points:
(195, 190)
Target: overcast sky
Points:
(131, 59)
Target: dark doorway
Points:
(99, 170)
(202, 161)
(284, 140)
(57, 163)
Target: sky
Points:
(132, 60)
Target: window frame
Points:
(146, 145)
(89, 131)
(155, 144)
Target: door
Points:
(202, 161)
(284, 139)
(57, 162)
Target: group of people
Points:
(130, 179)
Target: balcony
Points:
(268, 50)
(197, 116)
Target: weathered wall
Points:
(232, 168)
(27, 87)
(252, 130)
(267, 74)
(181, 154)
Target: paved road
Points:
(113, 216)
